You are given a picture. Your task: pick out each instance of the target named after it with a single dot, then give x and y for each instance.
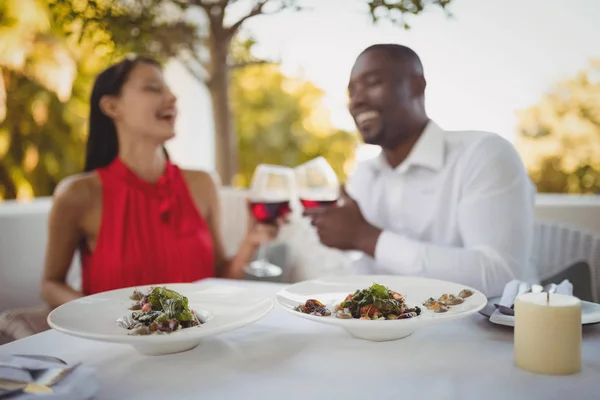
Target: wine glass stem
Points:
(262, 254)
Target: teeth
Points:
(364, 116)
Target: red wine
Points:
(268, 212)
(317, 203)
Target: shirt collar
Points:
(428, 152)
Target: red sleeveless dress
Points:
(149, 234)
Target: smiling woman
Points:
(136, 217)
(145, 104)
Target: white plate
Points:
(225, 308)
(331, 291)
(590, 313)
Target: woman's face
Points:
(145, 106)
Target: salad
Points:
(161, 310)
(376, 303)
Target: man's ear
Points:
(108, 105)
(418, 86)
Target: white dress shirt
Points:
(459, 208)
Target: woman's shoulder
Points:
(199, 179)
(202, 186)
(78, 191)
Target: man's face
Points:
(380, 99)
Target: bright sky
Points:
(491, 59)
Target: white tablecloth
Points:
(284, 357)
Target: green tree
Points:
(37, 78)
(560, 136)
(218, 38)
(60, 45)
(50, 52)
(208, 56)
(281, 120)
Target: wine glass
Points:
(318, 186)
(270, 194)
(317, 183)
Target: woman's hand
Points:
(257, 234)
(260, 233)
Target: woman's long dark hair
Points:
(102, 143)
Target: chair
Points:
(559, 252)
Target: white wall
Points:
(23, 232)
(580, 211)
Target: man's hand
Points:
(344, 227)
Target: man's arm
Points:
(495, 218)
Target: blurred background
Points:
(264, 81)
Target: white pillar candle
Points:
(548, 333)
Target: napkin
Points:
(80, 384)
(515, 288)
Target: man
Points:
(457, 206)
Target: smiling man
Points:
(457, 206)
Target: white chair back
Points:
(558, 246)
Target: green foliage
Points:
(42, 144)
(67, 42)
(44, 123)
(280, 120)
(155, 28)
(395, 10)
(560, 136)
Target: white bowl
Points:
(331, 291)
(224, 307)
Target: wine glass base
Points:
(263, 269)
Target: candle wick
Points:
(547, 297)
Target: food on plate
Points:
(445, 301)
(313, 307)
(451, 300)
(380, 303)
(161, 310)
(435, 305)
(376, 303)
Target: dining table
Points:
(282, 357)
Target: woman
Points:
(136, 217)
